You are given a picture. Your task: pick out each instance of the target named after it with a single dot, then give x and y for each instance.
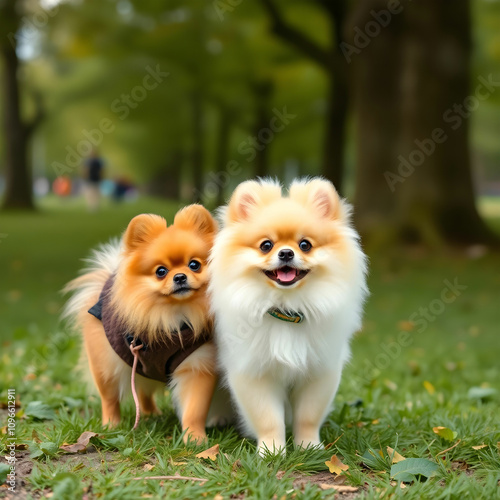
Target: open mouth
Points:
(286, 275)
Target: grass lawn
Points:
(427, 357)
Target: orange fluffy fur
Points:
(152, 306)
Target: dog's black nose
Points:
(180, 279)
(286, 255)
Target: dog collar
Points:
(288, 316)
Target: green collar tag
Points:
(288, 316)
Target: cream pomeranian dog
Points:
(288, 283)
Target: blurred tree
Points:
(332, 61)
(18, 191)
(411, 81)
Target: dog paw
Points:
(195, 436)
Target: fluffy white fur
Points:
(270, 364)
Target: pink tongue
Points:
(286, 276)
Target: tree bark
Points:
(18, 175)
(198, 147)
(336, 70)
(335, 129)
(263, 94)
(222, 154)
(411, 187)
(376, 87)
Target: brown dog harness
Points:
(156, 361)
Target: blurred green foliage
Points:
(89, 55)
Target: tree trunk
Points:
(222, 155)
(335, 137)
(437, 202)
(376, 88)
(414, 180)
(198, 147)
(263, 94)
(18, 176)
(335, 66)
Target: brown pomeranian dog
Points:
(149, 289)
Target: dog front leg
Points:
(261, 403)
(311, 402)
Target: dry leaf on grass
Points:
(396, 457)
(429, 387)
(148, 467)
(82, 443)
(479, 447)
(211, 453)
(338, 487)
(445, 433)
(335, 465)
(406, 326)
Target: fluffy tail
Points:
(86, 288)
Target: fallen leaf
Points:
(211, 453)
(148, 467)
(445, 433)
(390, 385)
(395, 456)
(459, 465)
(406, 326)
(479, 447)
(338, 487)
(408, 469)
(39, 411)
(402, 485)
(376, 421)
(218, 497)
(429, 387)
(335, 465)
(82, 443)
(280, 474)
(481, 392)
(34, 437)
(370, 458)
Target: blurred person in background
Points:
(93, 174)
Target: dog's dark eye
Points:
(266, 246)
(161, 272)
(194, 265)
(305, 245)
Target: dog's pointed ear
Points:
(318, 194)
(250, 194)
(198, 218)
(143, 229)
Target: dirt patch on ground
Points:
(326, 481)
(24, 466)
